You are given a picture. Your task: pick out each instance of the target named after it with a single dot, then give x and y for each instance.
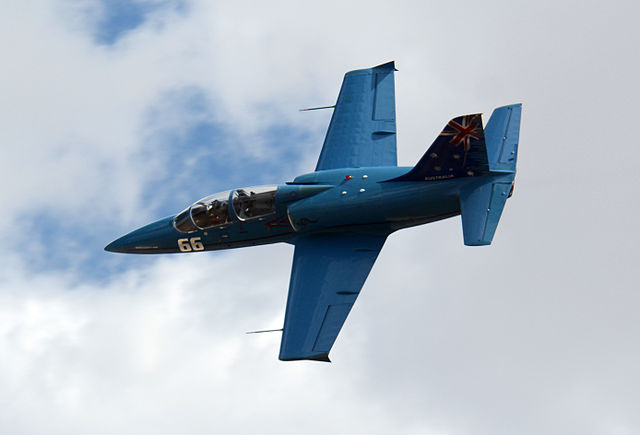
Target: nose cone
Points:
(154, 238)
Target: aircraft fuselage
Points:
(350, 199)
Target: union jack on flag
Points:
(469, 127)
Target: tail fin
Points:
(459, 151)
(464, 149)
(501, 135)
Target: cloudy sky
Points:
(116, 113)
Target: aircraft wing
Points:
(327, 275)
(362, 131)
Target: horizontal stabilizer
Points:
(481, 207)
(501, 135)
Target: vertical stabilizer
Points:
(459, 151)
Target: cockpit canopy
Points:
(214, 210)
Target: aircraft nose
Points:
(116, 246)
(148, 239)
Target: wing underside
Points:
(362, 131)
(327, 274)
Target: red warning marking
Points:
(281, 221)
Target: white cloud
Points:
(162, 349)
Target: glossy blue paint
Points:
(366, 100)
(157, 237)
(502, 134)
(311, 325)
(339, 216)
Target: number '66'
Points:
(192, 244)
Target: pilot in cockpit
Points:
(216, 211)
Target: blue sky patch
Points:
(202, 156)
(61, 243)
(119, 17)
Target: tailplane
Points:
(501, 136)
(481, 206)
(481, 203)
(465, 149)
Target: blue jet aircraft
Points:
(339, 216)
